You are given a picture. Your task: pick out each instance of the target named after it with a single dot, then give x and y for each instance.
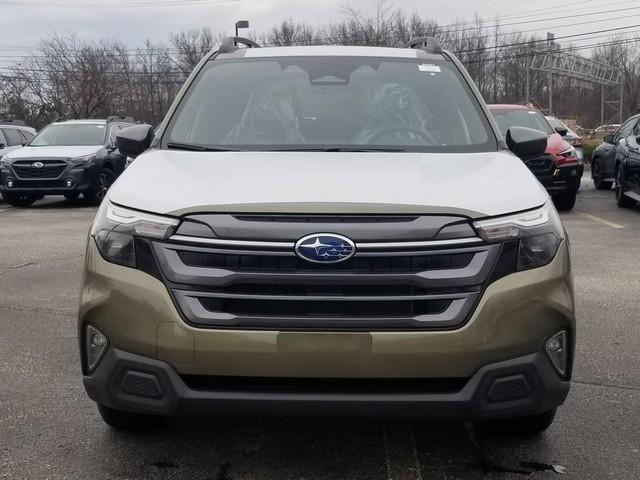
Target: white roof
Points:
(89, 121)
(330, 51)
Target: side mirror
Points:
(2, 145)
(133, 141)
(608, 138)
(562, 131)
(526, 143)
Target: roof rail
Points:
(428, 44)
(120, 118)
(60, 119)
(230, 44)
(19, 123)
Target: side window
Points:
(12, 136)
(113, 132)
(2, 139)
(27, 136)
(625, 130)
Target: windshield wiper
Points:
(336, 149)
(363, 149)
(198, 148)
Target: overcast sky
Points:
(24, 22)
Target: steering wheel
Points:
(422, 134)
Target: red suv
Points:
(559, 169)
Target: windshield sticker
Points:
(429, 68)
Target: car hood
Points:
(474, 185)
(556, 144)
(53, 152)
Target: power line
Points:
(155, 3)
(561, 17)
(438, 29)
(533, 42)
(165, 53)
(559, 50)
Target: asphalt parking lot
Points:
(49, 429)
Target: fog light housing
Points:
(557, 351)
(9, 183)
(96, 344)
(68, 183)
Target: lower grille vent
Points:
(327, 308)
(325, 385)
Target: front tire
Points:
(121, 420)
(526, 426)
(106, 177)
(20, 200)
(597, 176)
(565, 201)
(621, 199)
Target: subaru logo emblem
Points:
(37, 165)
(325, 248)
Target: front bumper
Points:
(519, 386)
(82, 178)
(562, 179)
(507, 330)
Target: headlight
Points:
(567, 156)
(86, 159)
(114, 229)
(4, 162)
(539, 232)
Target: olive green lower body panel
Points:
(514, 317)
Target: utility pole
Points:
(621, 98)
(550, 38)
(601, 104)
(528, 77)
(495, 66)
(550, 93)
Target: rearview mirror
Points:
(562, 131)
(526, 143)
(608, 138)
(133, 141)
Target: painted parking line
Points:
(4, 210)
(601, 220)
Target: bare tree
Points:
(191, 46)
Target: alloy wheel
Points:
(106, 179)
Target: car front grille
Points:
(50, 169)
(541, 165)
(218, 283)
(273, 263)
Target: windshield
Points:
(70, 134)
(555, 123)
(506, 118)
(331, 102)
